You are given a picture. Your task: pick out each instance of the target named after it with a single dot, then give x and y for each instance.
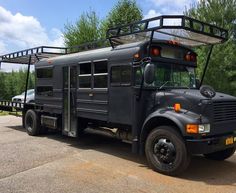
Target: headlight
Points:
(194, 128)
(205, 128)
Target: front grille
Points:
(224, 111)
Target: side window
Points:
(44, 72)
(85, 75)
(121, 75)
(100, 74)
(44, 90)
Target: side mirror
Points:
(149, 73)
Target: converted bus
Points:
(144, 85)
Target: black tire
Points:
(32, 124)
(166, 151)
(221, 155)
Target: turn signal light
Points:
(177, 107)
(191, 128)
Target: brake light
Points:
(190, 57)
(155, 51)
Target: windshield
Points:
(169, 75)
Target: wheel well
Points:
(156, 122)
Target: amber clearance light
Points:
(177, 107)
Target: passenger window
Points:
(85, 75)
(121, 75)
(44, 90)
(85, 68)
(100, 74)
(44, 72)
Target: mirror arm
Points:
(206, 65)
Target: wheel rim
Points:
(29, 122)
(164, 151)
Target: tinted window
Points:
(85, 68)
(85, 75)
(100, 74)
(121, 75)
(85, 81)
(100, 81)
(44, 90)
(44, 73)
(100, 67)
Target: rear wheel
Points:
(166, 151)
(221, 155)
(32, 124)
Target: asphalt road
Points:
(55, 163)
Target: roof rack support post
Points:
(206, 65)
(27, 79)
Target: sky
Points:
(26, 23)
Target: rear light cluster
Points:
(190, 57)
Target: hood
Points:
(195, 93)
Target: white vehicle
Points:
(29, 97)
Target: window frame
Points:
(84, 75)
(100, 74)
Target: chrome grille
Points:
(224, 111)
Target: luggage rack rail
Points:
(178, 27)
(11, 106)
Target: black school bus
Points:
(144, 85)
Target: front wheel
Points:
(221, 155)
(166, 151)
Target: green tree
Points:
(125, 11)
(90, 28)
(86, 29)
(13, 83)
(221, 73)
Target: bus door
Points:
(69, 117)
(120, 95)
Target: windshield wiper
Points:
(168, 81)
(172, 82)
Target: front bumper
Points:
(209, 145)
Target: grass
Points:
(3, 113)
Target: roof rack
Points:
(186, 30)
(38, 53)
